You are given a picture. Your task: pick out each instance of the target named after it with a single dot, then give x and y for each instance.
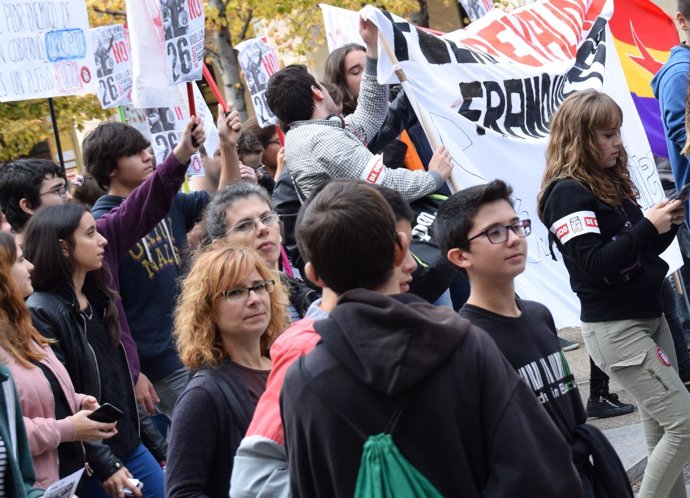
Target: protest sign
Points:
(166, 124)
(65, 487)
(183, 31)
(259, 62)
(149, 60)
(490, 91)
(45, 50)
(113, 65)
(477, 8)
(342, 26)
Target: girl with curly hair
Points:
(230, 310)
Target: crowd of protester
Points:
(264, 334)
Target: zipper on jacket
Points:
(95, 360)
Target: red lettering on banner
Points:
(591, 221)
(562, 231)
(375, 173)
(120, 51)
(270, 63)
(530, 32)
(196, 8)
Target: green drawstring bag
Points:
(383, 471)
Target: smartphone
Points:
(136, 482)
(106, 413)
(682, 194)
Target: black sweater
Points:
(471, 426)
(611, 253)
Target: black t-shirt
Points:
(114, 375)
(531, 345)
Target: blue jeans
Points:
(142, 466)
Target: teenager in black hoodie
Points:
(470, 425)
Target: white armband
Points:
(374, 171)
(574, 225)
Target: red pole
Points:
(214, 88)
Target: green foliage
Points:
(27, 122)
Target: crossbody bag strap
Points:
(238, 414)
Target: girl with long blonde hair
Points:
(611, 251)
(230, 310)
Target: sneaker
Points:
(567, 345)
(608, 406)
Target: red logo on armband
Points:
(562, 231)
(663, 357)
(591, 221)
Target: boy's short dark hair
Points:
(265, 134)
(684, 8)
(248, 143)
(347, 232)
(401, 208)
(106, 144)
(455, 217)
(22, 179)
(289, 95)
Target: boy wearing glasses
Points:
(466, 420)
(480, 233)
(29, 184)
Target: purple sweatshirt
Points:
(138, 214)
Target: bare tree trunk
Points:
(233, 89)
(421, 18)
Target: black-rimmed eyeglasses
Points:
(242, 293)
(499, 234)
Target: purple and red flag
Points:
(644, 35)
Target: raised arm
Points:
(143, 209)
(229, 127)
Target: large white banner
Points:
(165, 125)
(45, 49)
(490, 91)
(113, 65)
(259, 62)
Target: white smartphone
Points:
(135, 482)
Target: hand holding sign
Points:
(194, 129)
(229, 125)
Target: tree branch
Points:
(245, 26)
(114, 13)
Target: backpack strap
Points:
(326, 397)
(238, 414)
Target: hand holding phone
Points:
(135, 482)
(106, 413)
(683, 194)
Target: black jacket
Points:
(56, 315)
(611, 253)
(471, 425)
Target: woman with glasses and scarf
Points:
(611, 251)
(230, 310)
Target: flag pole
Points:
(421, 113)
(56, 132)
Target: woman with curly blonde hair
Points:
(230, 310)
(611, 251)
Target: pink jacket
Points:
(38, 406)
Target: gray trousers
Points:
(639, 355)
